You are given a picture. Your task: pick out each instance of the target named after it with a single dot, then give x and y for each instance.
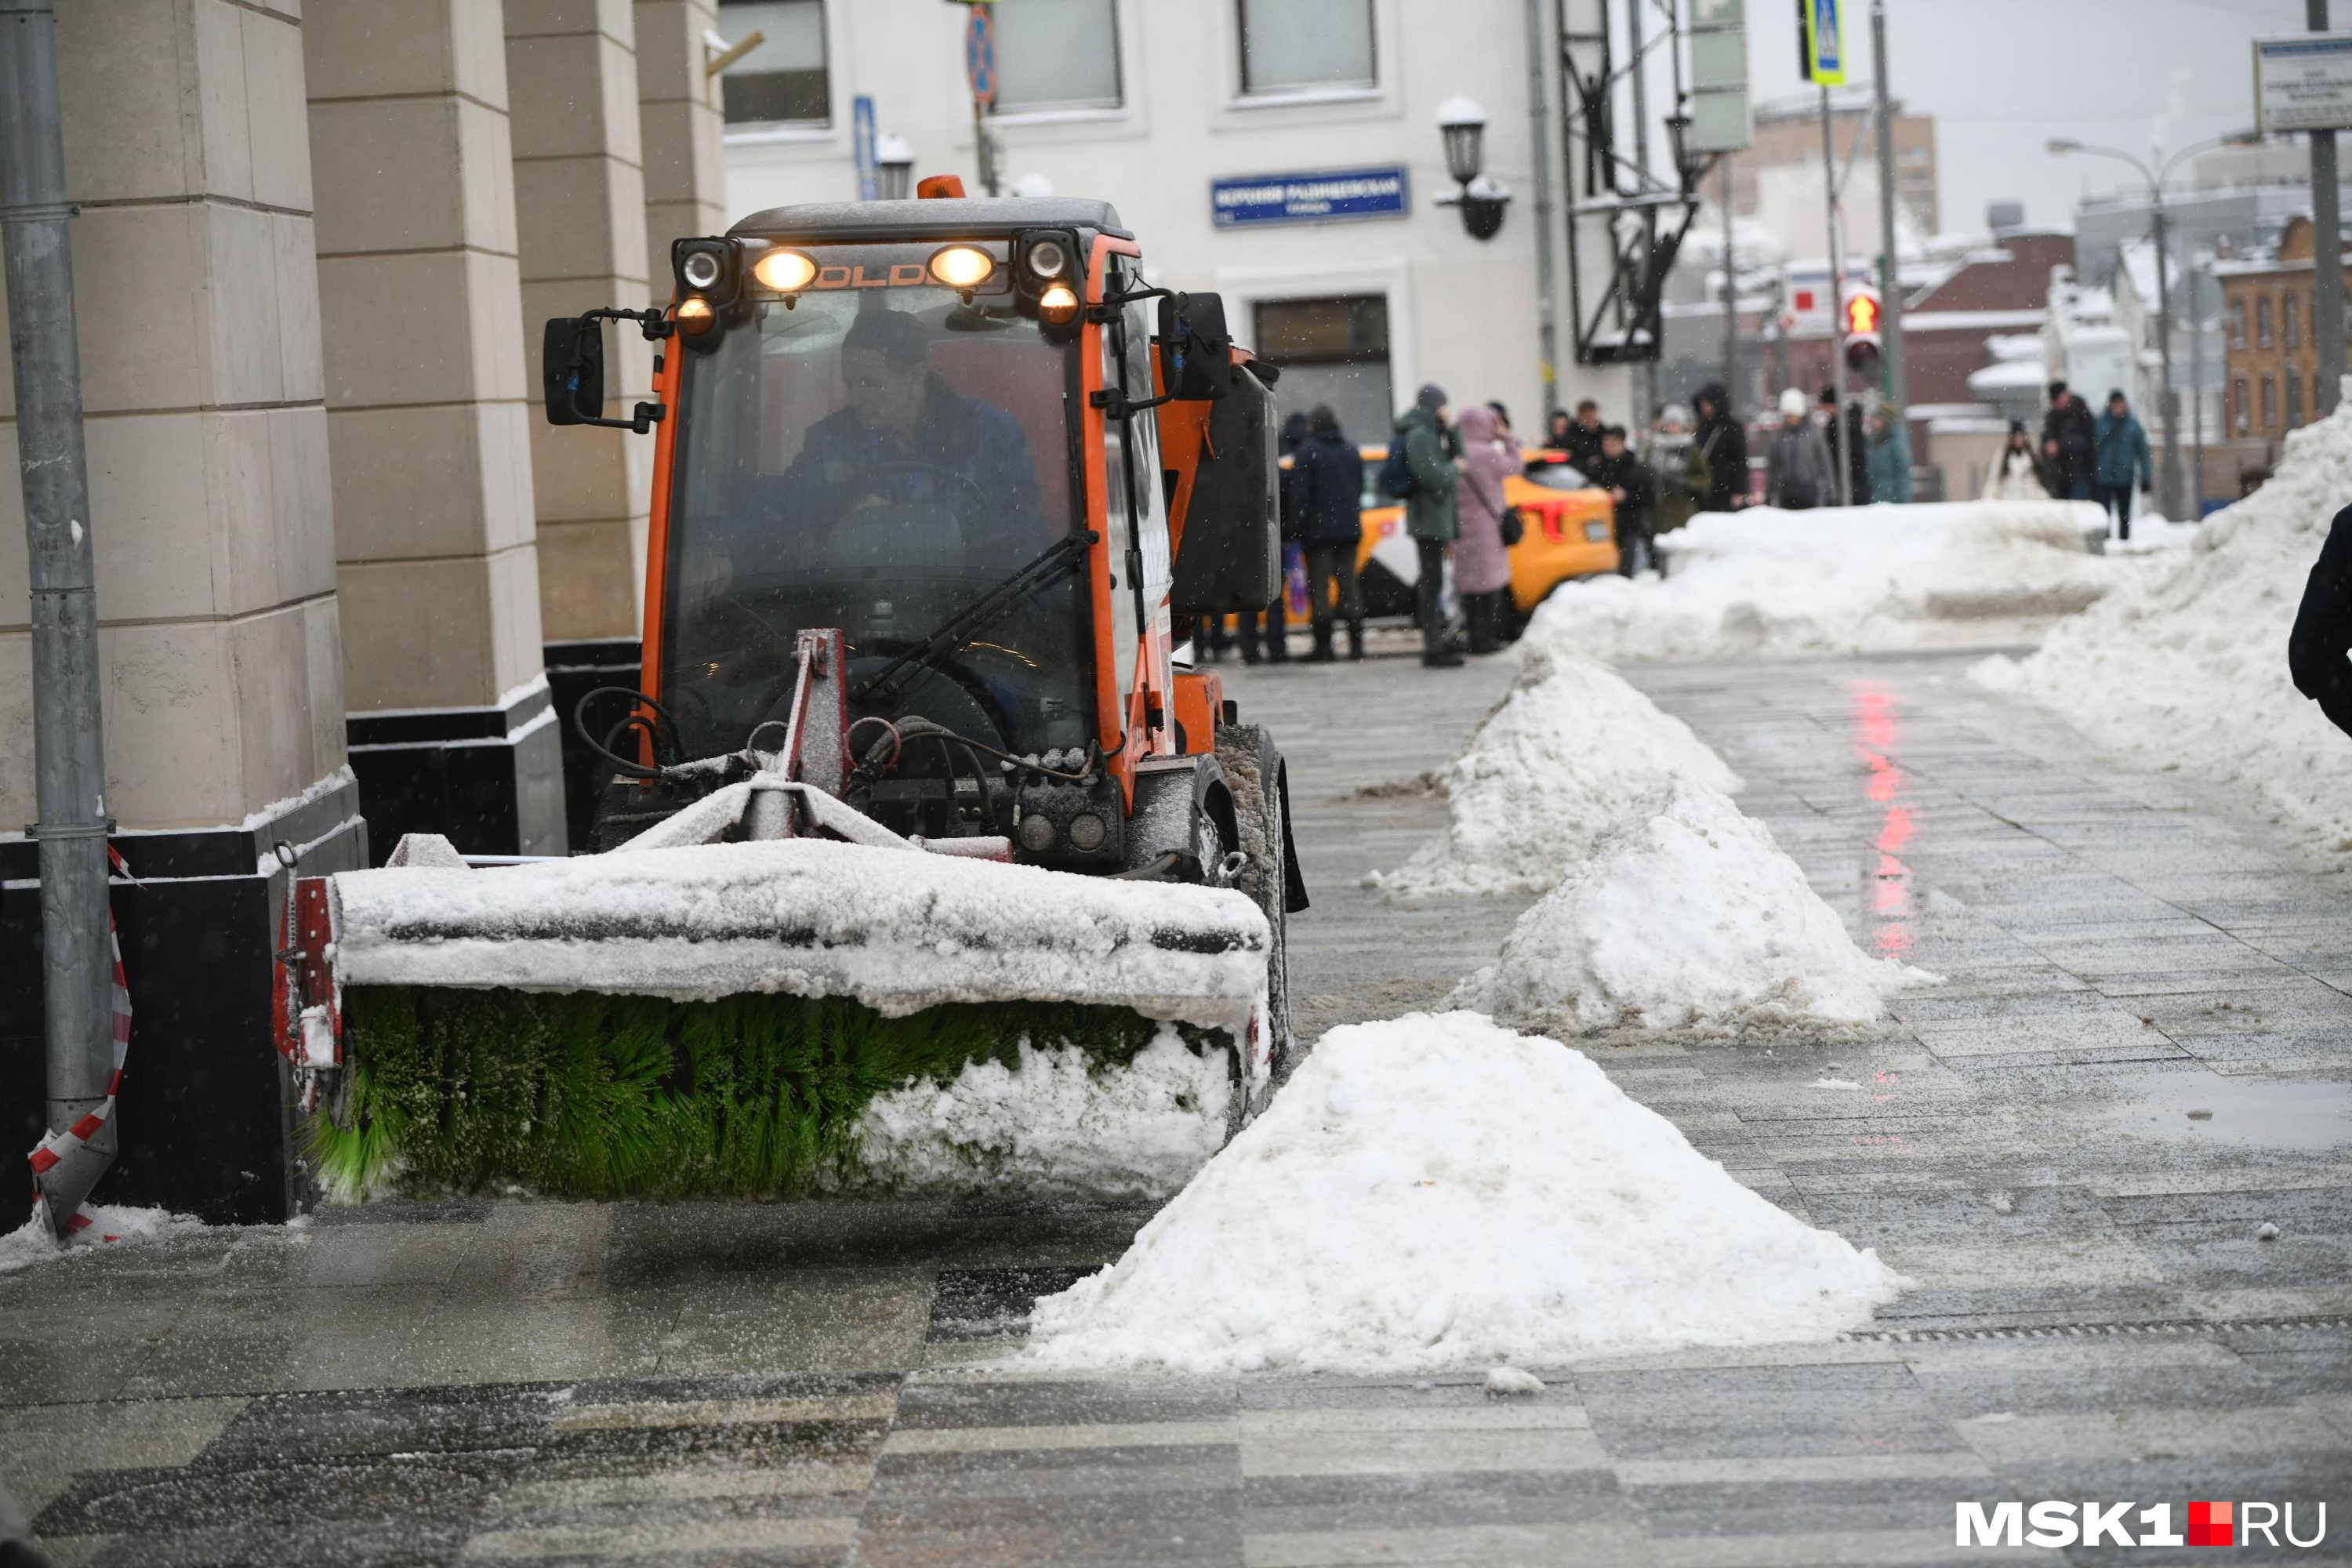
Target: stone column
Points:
(686, 159)
(420, 299)
(198, 306)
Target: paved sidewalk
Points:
(2095, 1317)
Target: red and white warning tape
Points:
(57, 1145)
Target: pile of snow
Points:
(1052, 1125)
(1842, 580)
(2187, 667)
(1692, 918)
(899, 931)
(1567, 752)
(1437, 1192)
(110, 1225)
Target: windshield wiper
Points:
(1063, 557)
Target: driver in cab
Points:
(905, 438)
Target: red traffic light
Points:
(1862, 315)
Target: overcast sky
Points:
(2002, 76)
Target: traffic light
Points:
(1861, 341)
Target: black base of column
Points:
(573, 670)
(488, 779)
(204, 1117)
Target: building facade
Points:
(2271, 370)
(1788, 135)
(1283, 152)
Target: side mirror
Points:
(1196, 351)
(572, 369)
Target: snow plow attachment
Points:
(760, 1019)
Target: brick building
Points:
(1789, 131)
(2271, 370)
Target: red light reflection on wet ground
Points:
(1877, 723)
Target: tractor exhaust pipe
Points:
(76, 967)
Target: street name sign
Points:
(2304, 83)
(1317, 197)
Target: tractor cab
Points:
(931, 426)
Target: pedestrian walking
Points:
(1210, 639)
(1673, 458)
(1482, 567)
(1635, 490)
(1799, 472)
(1890, 460)
(1582, 439)
(2316, 648)
(1556, 429)
(1265, 636)
(2018, 473)
(1856, 448)
(1502, 415)
(1429, 447)
(2067, 439)
(2119, 444)
(1332, 507)
(1721, 446)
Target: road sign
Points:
(2304, 83)
(861, 134)
(1308, 198)
(980, 54)
(1823, 22)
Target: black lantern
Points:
(1463, 124)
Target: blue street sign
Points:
(1310, 197)
(861, 132)
(979, 55)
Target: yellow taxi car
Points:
(1570, 531)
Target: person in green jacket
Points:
(1430, 451)
(1890, 459)
(2120, 448)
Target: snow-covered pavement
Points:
(798, 1381)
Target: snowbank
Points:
(1052, 1125)
(1691, 919)
(2187, 667)
(1841, 580)
(1567, 752)
(897, 930)
(1438, 1193)
(110, 1224)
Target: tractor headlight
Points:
(786, 271)
(1086, 831)
(1038, 833)
(699, 269)
(1058, 305)
(1049, 258)
(962, 266)
(694, 317)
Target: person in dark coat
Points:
(1856, 450)
(1273, 637)
(2322, 637)
(1557, 426)
(1635, 490)
(2067, 444)
(1722, 445)
(2119, 445)
(1433, 454)
(1582, 442)
(1331, 484)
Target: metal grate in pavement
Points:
(2097, 1330)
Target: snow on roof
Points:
(2008, 374)
(2015, 345)
(1986, 322)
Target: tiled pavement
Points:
(2095, 1317)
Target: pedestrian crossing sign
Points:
(1823, 23)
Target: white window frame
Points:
(819, 141)
(1126, 25)
(1244, 110)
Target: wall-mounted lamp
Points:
(1463, 125)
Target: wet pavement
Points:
(2140, 1060)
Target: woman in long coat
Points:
(1481, 571)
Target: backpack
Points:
(1396, 474)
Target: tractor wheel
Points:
(1252, 769)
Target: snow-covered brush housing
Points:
(1842, 580)
(1569, 751)
(1687, 918)
(1452, 1196)
(2187, 667)
(110, 1225)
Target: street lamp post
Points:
(2169, 493)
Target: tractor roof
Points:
(939, 218)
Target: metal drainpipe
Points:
(68, 765)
